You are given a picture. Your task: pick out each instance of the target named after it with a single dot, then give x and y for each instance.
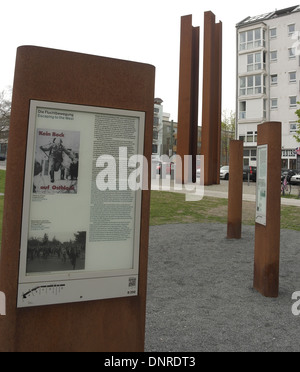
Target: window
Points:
(291, 29)
(252, 39)
(154, 149)
(293, 101)
(250, 137)
(257, 37)
(257, 58)
(250, 62)
(274, 103)
(258, 84)
(242, 138)
(273, 56)
(155, 135)
(243, 40)
(250, 82)
(273, 33)
(243, 81)
(292, 53)
(292, 77)
(254, 61)
(274, 79)
(265, 109)
(242, 114)
(253, 84)
(293, 127)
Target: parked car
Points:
(295, 179)
(224, 172)
(169, 167)
(249, 169)
(288, 173)
(2, 157)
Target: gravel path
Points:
(200, 295)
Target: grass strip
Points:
(171, 208)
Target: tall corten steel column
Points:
(235, 190)
(267, 234)
(188, 96)
(211, 102)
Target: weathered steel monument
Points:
(188, 96)
(267, 221)
(212, 99)
(73, 274)
(211, 96)
(235, 190)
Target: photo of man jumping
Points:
(56, 161)
(55, 154)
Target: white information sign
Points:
(261, 184)
(82, 204)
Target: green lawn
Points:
(171, 208)
(2, 180)
(167, 207)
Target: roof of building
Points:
(158, 101)
(263, 17)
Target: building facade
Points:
(268, 79)
(157, 141)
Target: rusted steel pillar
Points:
(211, 101)
(267, 227)
(218, 82)
(235, 190)
(188, 96)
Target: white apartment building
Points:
(157, 141)
(268, 79)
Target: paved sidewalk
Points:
(3, 167)
(221, 191)
(3, 164)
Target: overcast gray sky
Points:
(137, 30)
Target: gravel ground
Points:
(200, 294)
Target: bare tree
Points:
(5, 109)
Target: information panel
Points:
(261, 184)
(82, 204)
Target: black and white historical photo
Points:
(56, 162)
(62, 252)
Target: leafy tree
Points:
(228, 133)
(297, 135)
(228, 121)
